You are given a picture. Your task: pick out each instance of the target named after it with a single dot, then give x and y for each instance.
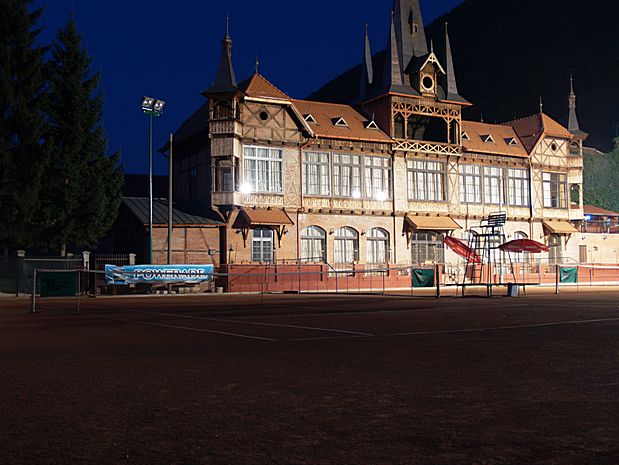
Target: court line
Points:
(502, 328)
(241, 322)
(146, 323)
(374, 312)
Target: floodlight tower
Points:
(151, 107)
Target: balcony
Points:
(247, 200)
(575, 162)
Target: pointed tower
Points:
(450, 84)
(393, 68)
(573, 125)
(367, 69)
(225, 82)
(410, 31)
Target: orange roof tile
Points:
(326, 114)
(501, 136)
(597, 211)
(531, 129)
(258, 87)
(257, 217)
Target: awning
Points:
(255, 217)
(462, 249)
(432, 223)
(559, 227)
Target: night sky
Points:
(170, 50)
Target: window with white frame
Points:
(518, 187)
(555, 189)
(263, 169)
(427, 247)
(426, 180)
(470, 184)
(262, 245)
(313, 244)
(378, 178)
(378, 246)
(316, 173)
(493, 185)
(346, 246)
(346, 175)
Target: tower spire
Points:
(452, 85)
(541, 105)
(367, 69)
(410, 31)
(572, 125)
(225, 81)
(393, 68)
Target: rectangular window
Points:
(493, 185)
(316, 173)
(263, 169)
(262, 245)
(518, 187)
(555, 190)
(378, 178)
(346, 175)
(426, 180)
(470, 184)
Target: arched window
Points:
(262, 245)
(223, 110)
(346, 245)
(378, 246)
(313, 244)
(427, 247)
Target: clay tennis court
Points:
(324, 379)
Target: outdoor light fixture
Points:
(356, 195)
(151, 107)
(246, 188)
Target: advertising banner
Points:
(158, 274)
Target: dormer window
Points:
(465, 136)
(340, 122)
(371, 125)
(309, 118)
(511, 142)
(488, 139)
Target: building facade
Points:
(381, 180)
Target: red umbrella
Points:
(523, 245)
(462, 249)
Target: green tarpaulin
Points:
(568, 275)
(423, 278)
(57, 284)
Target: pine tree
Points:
(84, 183)
(22, 124)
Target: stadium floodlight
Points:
(151, 107)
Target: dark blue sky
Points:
(170, 50)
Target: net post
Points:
(557, 271)
(33, 303)
(79, 289)
(438, 280)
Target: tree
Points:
(601, 179)
(83, 188)
(22, 123)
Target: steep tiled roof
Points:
(326, 113)
(258, 87)
(194, 125)
(597, 211)
(501, 135)
(531, 129)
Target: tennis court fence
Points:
(319, 278)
